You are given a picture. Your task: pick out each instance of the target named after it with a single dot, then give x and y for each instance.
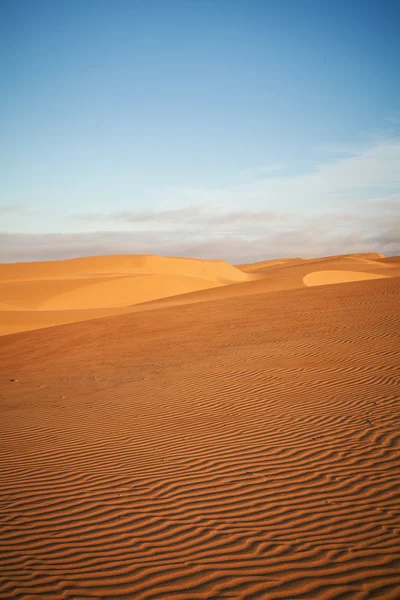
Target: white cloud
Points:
(373, 227)
(10, 208)
(366, 174)
(350, 205)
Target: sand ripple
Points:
(245, 448)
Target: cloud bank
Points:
(235, 237)
(349, 205)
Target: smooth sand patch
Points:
(328, 277)
(126, 291)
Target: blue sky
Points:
(215, 128)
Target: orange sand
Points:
(235, 437)
(332, 276)
(43, 294)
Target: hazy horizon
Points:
(234, 130)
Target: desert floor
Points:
(185, 429)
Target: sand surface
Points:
(237, 441)
(44, 294)
(332, 276)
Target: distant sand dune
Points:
(124, 291)
(44, 294)
(121, 265)
(61, 291)
(365, 255)
(329, 277)
(267, 264)
(393, 260)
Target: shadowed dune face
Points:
(246, 447)
(43, 294)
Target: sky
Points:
(233, 129)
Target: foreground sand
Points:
(244, 447)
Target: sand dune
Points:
(103, 283)
(13, 321)
(393, 260)
(44, 294)
(242, 448)
(267, 264)
(332, 276)
(124, 291)
(365, 255)
(214, 270)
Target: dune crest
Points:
(141, 264)
(44, 294)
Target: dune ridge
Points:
(44, 294)
(121, 265)
(246, 447)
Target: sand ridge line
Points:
(153, 283)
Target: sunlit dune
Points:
(35, 295)
(266, 264)
(365, 255)
(132, 264)
(329, 277)
(44, 294)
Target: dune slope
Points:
(332, 276)
(246, 448)
(36, 295)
